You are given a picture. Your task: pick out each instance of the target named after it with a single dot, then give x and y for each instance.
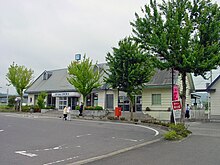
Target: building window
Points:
(31, 100)
(95, 99)
(47, 75)
(62, 102)
(156, 99)
(109, 101)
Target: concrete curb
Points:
(89, 160)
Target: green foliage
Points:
(5, 107)
(84, 76)
(172, 135)
(129, 69)
(180, 129)
(11, 101)
(177, 132)
(122, 118)
(20, 77)
(26, 108)
(35, 108)
(111, 118)
(183, 33)
(40, 100)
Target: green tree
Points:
(20, 77)
(40, 100)
(129, 69)
(84, 76)
(184, 33)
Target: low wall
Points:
(160, 115)
(95, 113)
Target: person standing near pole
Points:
(187, 115)
(81, 109)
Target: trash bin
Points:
(117, 111)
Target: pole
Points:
(7, 96)
(172, 120)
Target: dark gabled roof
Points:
(162, 78)
(55, 83)
(210, 87)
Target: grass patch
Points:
(177, 132)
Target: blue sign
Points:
(78, 57)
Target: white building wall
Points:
(101, 98)
(215, 100)
(165, 99)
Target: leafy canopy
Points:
(84, 76)
(129, 67)
(184, 33)
(20, 77)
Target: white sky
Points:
(46, 34)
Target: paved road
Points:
(31, 140)
(201, 148)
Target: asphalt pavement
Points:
(202, 147)
(27, 139)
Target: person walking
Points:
(65, 113)
(68, 113)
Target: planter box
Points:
(95, 113)
(45, 110)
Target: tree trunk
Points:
(84, 102)
(21, 101)
(182, 119)
(131, 101)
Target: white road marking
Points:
(49, 149)
(25, 153)
(1, 130)
(59, 161)
(83, 135)
(132, 140)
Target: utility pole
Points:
(172, 120)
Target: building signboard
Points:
(66, 94)
(176, 105)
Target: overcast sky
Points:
(46, 34)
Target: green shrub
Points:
(5, 107)
(77, 107)
(40, 100)
(122, 118)
(35, 108)
(172, 135)
(25, 108)
(148, 109)
(177, 131)
(180, 129)
(93, 108)
(110, 117)
(135, 120)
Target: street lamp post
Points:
(7, 95)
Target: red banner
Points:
(175, 93)
(176, 105)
